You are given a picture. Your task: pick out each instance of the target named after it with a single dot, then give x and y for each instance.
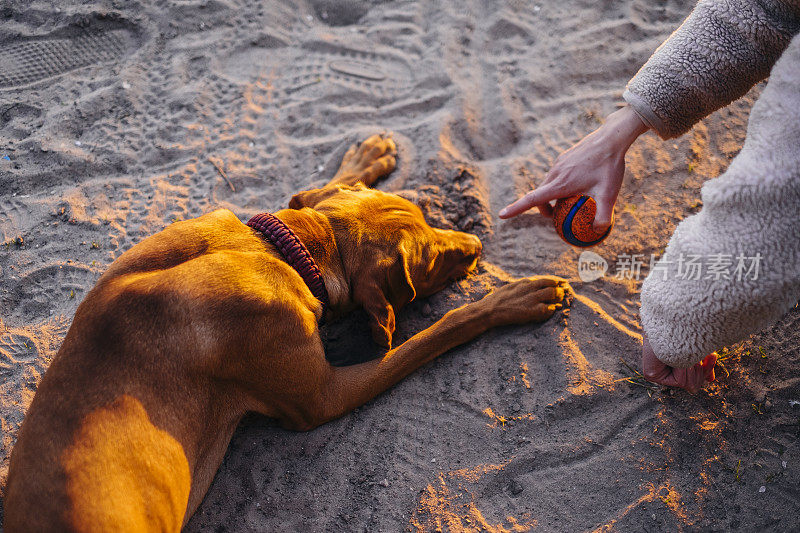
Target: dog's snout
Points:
(460, 244)
(477, 246)
(469, 246)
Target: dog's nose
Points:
(470, 246)
(459, 245)
(477, 246)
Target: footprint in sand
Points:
(34, 294)
(16, 351)
(380, 74)
(33, 60)
(16, 348)
(15, 219)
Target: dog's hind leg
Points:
(362, 164)
(367, 161)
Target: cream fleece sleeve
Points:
(720, 51)
(752, 209)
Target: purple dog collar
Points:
(294, 251)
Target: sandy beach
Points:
(118, 118)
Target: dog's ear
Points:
(386, 287)
(314, 196)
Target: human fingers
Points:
(545, 209)
(693, 378)
(604, 214)
(542, 195)
(652, 368)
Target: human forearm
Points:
(720, 51)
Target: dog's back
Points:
(89, 426)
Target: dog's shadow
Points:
(348, 340)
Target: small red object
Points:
(574, 221)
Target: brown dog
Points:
(203, 322)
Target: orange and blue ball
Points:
(574, 221)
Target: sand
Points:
(117, 118)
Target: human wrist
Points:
(623, 127)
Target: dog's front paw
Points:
(368, 161)
(532, 299)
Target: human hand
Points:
(691, 379)
(594, 166)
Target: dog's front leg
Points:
(525, 300)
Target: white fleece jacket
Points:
(721, 50)
(750, 211)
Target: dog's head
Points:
(389, 253)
